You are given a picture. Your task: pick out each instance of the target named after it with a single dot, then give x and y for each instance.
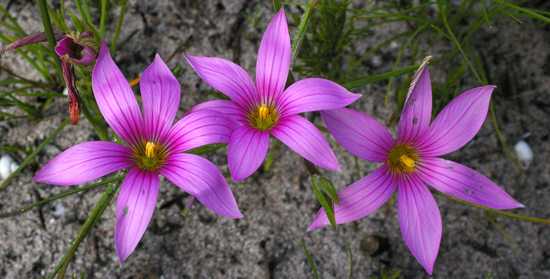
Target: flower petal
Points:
(160, 94)
(417, 111)
(115, 98)
(246, 151)
(202, 179)
(305, 139)
(84, 162)
(360, 199)
(135, 205)
(70, 51)
(359, 133)
(225, 107)
(226, 77)
(419, 220)
(198, 128)
(313, 94)
(464, 183)
(458, 122)
(273, 60)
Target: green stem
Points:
(500, 137)
(507, 214)
(118, 25)
(48, 30)
(360, 82)
(531, 13)
(4, 184)
(310, 260)
(103, 18)
(277, 5)
(85, 229)
(455, 41)
(302, 27)
(349, 253)
(61, 195)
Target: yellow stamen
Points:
(402, 159)
(407, 161)
(263, 112)
(263, 117)
(150, 149)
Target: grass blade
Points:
(302, 27)
(360, 82)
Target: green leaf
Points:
(206, 149)
(531, 13)
(118, 27)
(78, 24)
(310, 260)
(275, 145)
(302, 27)
(277, 5)
(328, 188)
(103, 18)
(325, 203)
(354, 84)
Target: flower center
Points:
(263, 117)
(402, 159)
(149, 155)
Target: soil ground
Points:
(279, 205)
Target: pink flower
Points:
(410, 163)
(71, 49)
(74, 49)
(265, 108)
(28, 40)
(154, 147)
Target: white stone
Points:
(14, 166)
(65, 92)
(58, 210)
(524, 152)
(376, 61)
(5, 166)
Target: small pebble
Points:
(5, 166)
(58, 210)
(14, 166)
(376, 60)
(524, 153)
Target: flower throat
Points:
(263, 117)
(149, 155)
(402, 159)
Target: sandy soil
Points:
(279, 205)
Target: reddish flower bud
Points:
(29, 40)
(76, 49)
(68, 77)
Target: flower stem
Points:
(481, 78)
(48, 30)
(103, 18)
(4, 184)
(310, 260)
(118, 26)
(61, 195)
(85, 229)
(302, 27)
(506, 214)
